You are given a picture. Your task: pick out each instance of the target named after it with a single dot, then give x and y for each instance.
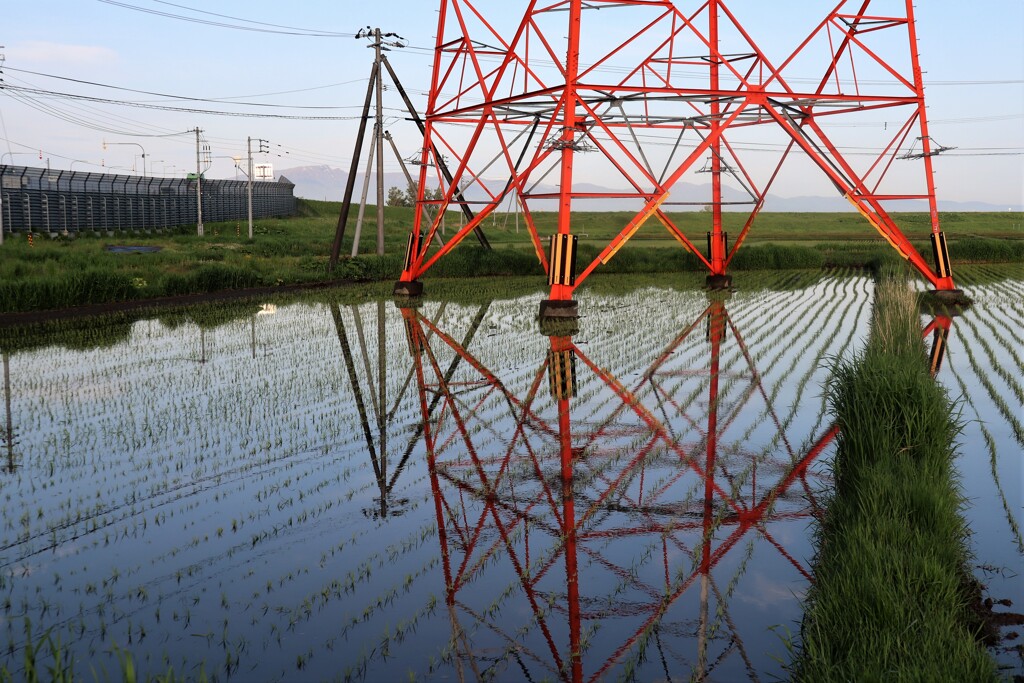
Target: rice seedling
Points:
(223, 486)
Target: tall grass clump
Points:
(892, 591)
(982, 249)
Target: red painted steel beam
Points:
(496, 83)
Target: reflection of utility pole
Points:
(378, 399)
(353, 378)
(7, 403)
(382, 392)
(202, 347)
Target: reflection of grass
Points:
(890, 598)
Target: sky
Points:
(300, 59)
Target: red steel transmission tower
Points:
(529, 115)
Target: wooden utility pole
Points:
(378, 133)
(381, 43)
(350, 183)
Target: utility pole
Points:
(249, 173)
(378, 131)
(105, 143)
(199, 188)
(381, 43)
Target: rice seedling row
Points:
(207, 495)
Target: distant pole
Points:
(249, 174)
(378, 131)
(2, 169)
(199, 189)
(105, 143)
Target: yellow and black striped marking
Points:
(725, 244)
(941, 254)
(938, 350)
(562, 374)
(562, 260)
(413, 238)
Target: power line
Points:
(188, 110)
(258, 27)
(97, 119)
(180, 97)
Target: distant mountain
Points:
(327, 183)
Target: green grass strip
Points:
(892, 594)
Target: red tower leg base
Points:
(944, 299)
(717, 282)
(410, 289)
(553, 309)
(559, 327)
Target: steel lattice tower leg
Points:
(512, 107)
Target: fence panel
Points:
(72, 202)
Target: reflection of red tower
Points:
(543, 497)
(488, 510)
(667, 89)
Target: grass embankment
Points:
(892, 591)
(62, 273)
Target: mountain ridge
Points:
(328, 183)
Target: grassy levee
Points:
(70, 272)
(892, 592)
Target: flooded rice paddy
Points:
(326, 490)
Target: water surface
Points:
(325, 490)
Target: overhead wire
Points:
(226, 100)
(258, 27)
(34, 97)
(188, 110)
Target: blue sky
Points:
(972, 54)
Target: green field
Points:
(62, 272)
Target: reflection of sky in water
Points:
(210, 495)
(983, 371)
